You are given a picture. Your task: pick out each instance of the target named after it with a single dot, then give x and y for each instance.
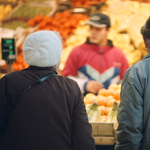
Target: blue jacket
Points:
(133, 132)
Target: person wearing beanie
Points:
(40, 110)
(133, 132)
(97, 63)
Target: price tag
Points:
(8, 49)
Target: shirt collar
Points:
(41, 68)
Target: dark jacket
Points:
(51, 116)
(133, 132)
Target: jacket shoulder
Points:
(11, 75)
(137, 73)
(119, 51)
(68, 80)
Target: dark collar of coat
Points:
(41, 68)
(110, 43)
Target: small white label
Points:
(12, 56)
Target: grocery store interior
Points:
(19, 18)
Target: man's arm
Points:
(81, 129)
(71, 71)
(129, 132)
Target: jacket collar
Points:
(41, 68)
(100, 49)
(147, 56)
(110, 43)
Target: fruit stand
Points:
(102, 113)
(22, 17)
(45, 15)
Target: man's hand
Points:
(2, 62)
(93, 86)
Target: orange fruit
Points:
(117, 95)
(110, 92)
(102, 110)
(101, 100)
(108, 110)
(102, 92)
(118, 102)
(86, 101)
(111, 103)
(103, 118)
(109, 98)
(89, 98)
(115, 87)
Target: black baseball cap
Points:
(99, 20)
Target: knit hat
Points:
(42, 48)
(145, 29)
(99, 20)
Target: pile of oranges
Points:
(105, 99)
(85, 3)
(63, 22)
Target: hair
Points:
(148, 42)
(145, 31)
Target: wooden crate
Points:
(104, 133)
(104, 140)
(102, 129)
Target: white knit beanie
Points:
(42, 48)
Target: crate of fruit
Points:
(86, 3)
(102, 111)
(104, 133)
(23, 12)
(41, 1)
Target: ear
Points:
(145, 42)
(108, 30)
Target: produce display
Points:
(5, 10)
(104, 106)
(126, 23)
(57, 23)
(8, 0)
(39, 0)
(64, 22)
(85, 3)
(23, 14)
(94, 113)
(125, 31)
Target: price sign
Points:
(8, 49)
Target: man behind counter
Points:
(97, 63)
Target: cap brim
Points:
(95, 24)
